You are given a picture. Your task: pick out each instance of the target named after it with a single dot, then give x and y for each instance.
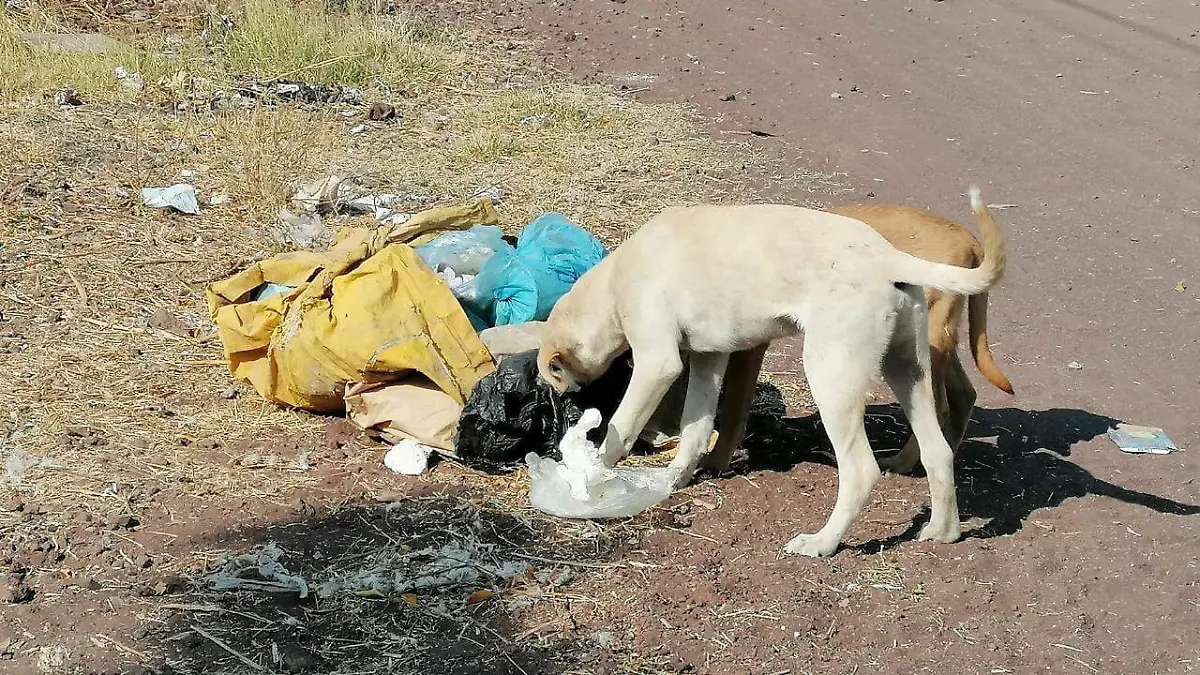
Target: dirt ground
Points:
(1079, 559)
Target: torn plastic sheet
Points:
(581, 486)
(181, 197)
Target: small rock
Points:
(381, 112)
(14, 591)
(358, 129)
(295, 659)
(208, 444)
(230, 393)
(603, 639)
(1074, 365)
(89, 584)
(67, 97)
(729, 97)
(122, 521)
(12, 505)
(835, 95)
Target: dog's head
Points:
(559, 369)
(580, 339)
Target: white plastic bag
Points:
(581, 486)
(181, 197)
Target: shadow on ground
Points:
(1011, 463)
(425, 585)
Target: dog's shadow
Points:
(1011, 463)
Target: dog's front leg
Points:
(699, 409)
(653, 374)
(741, 376)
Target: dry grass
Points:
(115, 383)
(83, 268)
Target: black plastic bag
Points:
(513, 412)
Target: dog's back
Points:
(919, 232)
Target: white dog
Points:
(713, 280)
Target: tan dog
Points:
(714, 280)
(925, 234)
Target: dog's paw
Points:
(811, 545)
(946, 533)
(904, 461)
(717, 465)
(898, 464)
(683, 476)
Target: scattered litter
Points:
(581, 486)
(180, 197)
(1074, 365)
(534, 120)
(513, 411)
(729, 97)
(382, 112)
(304, 231)
(258, 570)
(218, 199)
(67, 97)
(408, 457)
(129, 80)
(382, 206)
(340, 195)
(293, 91)
(1142, 440)
(495, 193)
(358, 129)
(1180, 287)
(835, 95)
(320, 197)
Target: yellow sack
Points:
(367, 310)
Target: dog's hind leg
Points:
(699, 409)
(942, 329)
(960, 394)
(906, 367)
(656, 365)
(741, 375)
(841, 360)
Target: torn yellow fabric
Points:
(367, 310)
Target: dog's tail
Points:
(980, 350)
(951, 278)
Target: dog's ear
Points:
(556, 362)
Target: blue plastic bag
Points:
(465, 251)
(522, 285)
